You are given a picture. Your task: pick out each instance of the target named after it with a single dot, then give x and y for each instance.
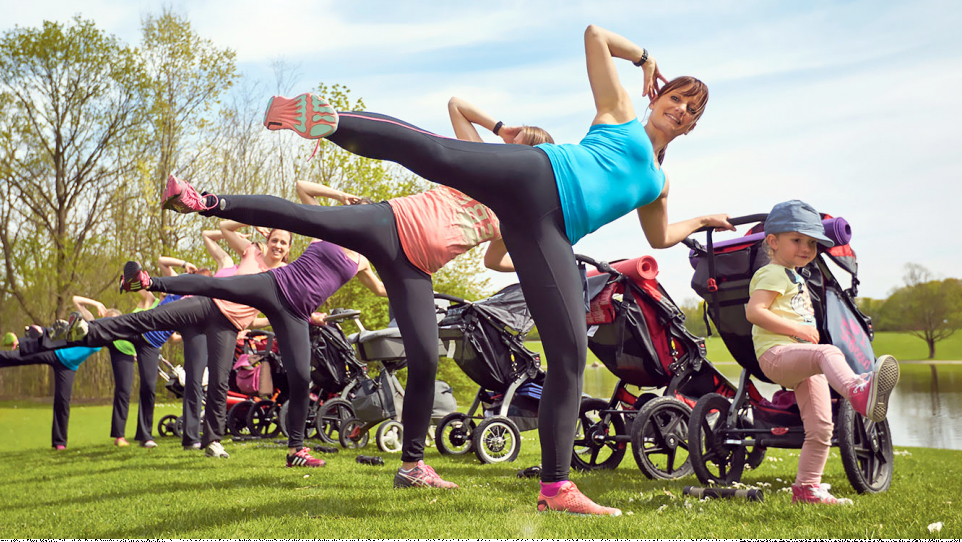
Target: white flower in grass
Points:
(661, 508)
(935, 527)
(629, 513)
(688, 504)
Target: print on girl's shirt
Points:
(801, 301)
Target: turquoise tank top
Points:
(606, 176)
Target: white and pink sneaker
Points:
(870, 394)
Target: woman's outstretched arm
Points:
(612, 102)
(308, 192)
(661, 234)
(366, 275)
(496, 257)
(81, 303)
(236, 241)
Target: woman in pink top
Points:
(407, 239)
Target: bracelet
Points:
(643, 59)
(497, 127)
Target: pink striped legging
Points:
(809, 369)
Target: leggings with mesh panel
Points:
(517, 182)
(372, 231)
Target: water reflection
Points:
(925, 409)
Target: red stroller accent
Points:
(638, 332)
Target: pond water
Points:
(925, 409)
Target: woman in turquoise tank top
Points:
(547, 197)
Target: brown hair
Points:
(113, 312)
(533, 135)
(686, 86)
(204, 271)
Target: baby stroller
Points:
(724, 430)
(486, 339)
(257, 387)
(370, 401)
(639, 333)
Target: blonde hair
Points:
(533, 135)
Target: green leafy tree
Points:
(928, 308)
(73, 111)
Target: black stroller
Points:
(724, 431)
(367, 401)
(486, 340)
(639, 333)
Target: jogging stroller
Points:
(486, 339)
(257, 387)
(368, 401)
(175, 378)
(725, 430)
(639, 334)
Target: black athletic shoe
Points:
(134, 279)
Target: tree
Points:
(928, 308)
(72, 98)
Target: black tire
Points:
(596, 446)
(166, 426)
(179, 426)
(497, 440)
(262, 419)
(755, 457)
(866, 450)
(352, 434)
(237, 419)
(453, 435)
(329, 417)
(659, 439)
(713, 461)
(389, 437)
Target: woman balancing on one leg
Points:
(219, 320)
(407, 239)
(288, 296)
(547, 197)
(64, 363)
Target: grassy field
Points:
(96, 490)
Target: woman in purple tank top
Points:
(288, 297)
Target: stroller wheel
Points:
(389, 436)
(353, 434)
(600, 437)
(262, 419)
(866, 450)
(329, 418)
(453, 435)
(237, 419)
(712, 460)
(659, 439)
(497, 440)
(167, 426)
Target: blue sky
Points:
(851, 106)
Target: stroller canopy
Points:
(506, 306)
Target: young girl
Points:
(787, 345)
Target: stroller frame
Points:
(723, 430)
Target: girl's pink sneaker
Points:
(870, 395)
(815, 494)
(309, 116)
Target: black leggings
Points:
(261, 291)
(148, 358)
(517, 182)
(62, 390)
(372, 231)
(195, 361)
(194, 314)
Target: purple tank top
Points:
(314, 276)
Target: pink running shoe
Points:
(569, 499)
(302, 458)
(870, 395)
(180, 196)
(422, 475)
(121, 442)
(59, 447)
(134, 278)
(815, 494)
(309, 116)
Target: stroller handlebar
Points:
(601, 266)
(450, 298)
(737, 221)
(338, 315)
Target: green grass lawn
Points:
(94, 490)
